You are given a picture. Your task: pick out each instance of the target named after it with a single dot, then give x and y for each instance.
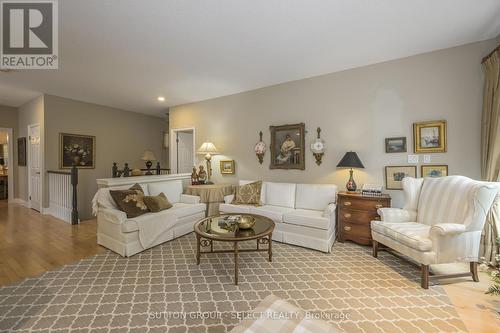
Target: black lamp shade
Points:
(350, 160)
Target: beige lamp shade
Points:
(148, 156)
(207, 148)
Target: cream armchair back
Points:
(441, 221)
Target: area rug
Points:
(163, 290)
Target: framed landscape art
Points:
(394, 175)
(76, 149)
(395, 145)
(434, 170)
(227, 167)
(288, 147)
(429, 137)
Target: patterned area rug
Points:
(163, 290)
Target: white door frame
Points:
(173, 146)
(28, 165)
(10, 165)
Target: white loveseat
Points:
(441, 222)
(128, 236)
(304, 213)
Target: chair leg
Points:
(374, 248)
(473, 270)
(425, 276)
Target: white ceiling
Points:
(125, 53)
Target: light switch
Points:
(413, 159)
(427, 158)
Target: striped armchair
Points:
(441, 222)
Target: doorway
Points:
(183, 150)
(6, 164)
(34, 168)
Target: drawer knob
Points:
(347, 228)
(347, 215)
(347, 203)
(377, 206)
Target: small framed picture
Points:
(434, 170)
(395, 174)
(395, 145)
(429, 137)
(227, 167)
(21, 151)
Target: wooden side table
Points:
(212, 195)
(355, 213)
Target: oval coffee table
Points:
(207, 231)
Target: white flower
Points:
(494, 273)
(483, 267)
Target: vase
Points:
(351, 184)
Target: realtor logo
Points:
(29, 34)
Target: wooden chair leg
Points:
(425, 276)
(374, 248)
(473, 270)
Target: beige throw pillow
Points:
(248, 194)
(157, 203)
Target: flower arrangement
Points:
(494, 273)
(77, 152)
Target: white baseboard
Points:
(19, 201)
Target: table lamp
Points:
(148, 157)
(208, 149)
(350, 160)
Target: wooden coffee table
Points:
(207, 232)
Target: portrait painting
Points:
(288, 147)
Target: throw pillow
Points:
(157, 203)
(130, 201)
(248, 194)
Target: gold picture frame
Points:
(288, 147)
(434, 171)
(227, 167)
(429, 137)
(76, 149)
(394, 175)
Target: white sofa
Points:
(128, 236)
(441, 222)
(304, 213)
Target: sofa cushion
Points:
(262, 190)
(130, 201)
(315, 196)
(182, 209)
(104, 199)
(411, 234)
(157, 203)
(132, 224)
(307, 218)
(230, 208)
(280, 194)
(275, 213)
(248, 194)
(172, 189)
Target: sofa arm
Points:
(329, 210)
(228, 198)
(396, 215)
(447, 229)
(111, 215)
(190, 199)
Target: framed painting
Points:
(395, 145)
(227, 167)
(434, 171)
(394, 175)
(288, 147)
(21, 151)
(78, 150)
(429, 137)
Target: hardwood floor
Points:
(31, 243)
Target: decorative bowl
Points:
(246, 222)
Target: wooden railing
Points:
(63, 201)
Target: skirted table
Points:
(212, 195)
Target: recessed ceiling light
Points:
(161, 99)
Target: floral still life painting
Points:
(78, 150)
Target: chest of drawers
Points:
(354, 214)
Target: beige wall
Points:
(356, 109)
(29, 114)
(121, 136)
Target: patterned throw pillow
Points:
(248, 194)
(157, 203)
(130, 201)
